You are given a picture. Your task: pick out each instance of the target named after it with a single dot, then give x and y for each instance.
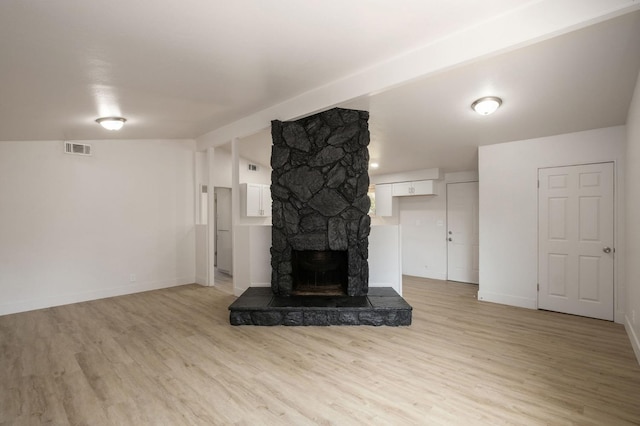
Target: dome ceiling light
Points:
(111, 123)
(486, 105)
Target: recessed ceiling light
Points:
(486, 105)
(374, 165)
(111, 123)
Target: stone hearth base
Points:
(259, 306)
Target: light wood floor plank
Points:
(171, 357)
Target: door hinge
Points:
(538, 286)
(538, 184)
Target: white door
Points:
(223, 230)
(575, 240)
(462, 232)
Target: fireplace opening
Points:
(319, 273)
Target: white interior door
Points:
(223, 230)
(462, 232)
(575, 241)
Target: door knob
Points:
(607, 249)
(450, 239)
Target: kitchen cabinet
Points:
(256, 199)
(418, 187)
(384, 200)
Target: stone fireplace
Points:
(320, 230)
(319, 187)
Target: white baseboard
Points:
(633, 337)
(66, 299)
(432, 275)
(436, 276)
(202, 280)
(506, 299)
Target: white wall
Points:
(252, 257)
(424, 229)
(385, 257)
(76, 228)
(262, 175)
(221, 170)
(201, 255)
(202, 206)
(632, 276)
(508, 176)
(423, 223)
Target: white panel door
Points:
(224, 242)
(575, 241)
(223, 212)
(462, 232)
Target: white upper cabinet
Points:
(384, 200)
(419, 187)
(386, 191)
(256, 199)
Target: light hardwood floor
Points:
(170, 357)
(223, 281)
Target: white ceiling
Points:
(181, 69)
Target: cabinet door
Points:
(402, 189)
(265, 200)
(253, 204)
(384, 200)
(423, 187)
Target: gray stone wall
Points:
(319, 188)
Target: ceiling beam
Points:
(534, 22)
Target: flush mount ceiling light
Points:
(486, 105)
(111, 123)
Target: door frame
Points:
(618, 243)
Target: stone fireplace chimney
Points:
(320, 230)
(319, 187)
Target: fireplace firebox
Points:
(319, 273)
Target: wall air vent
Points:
(77, 148)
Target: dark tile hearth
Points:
(259, 306)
